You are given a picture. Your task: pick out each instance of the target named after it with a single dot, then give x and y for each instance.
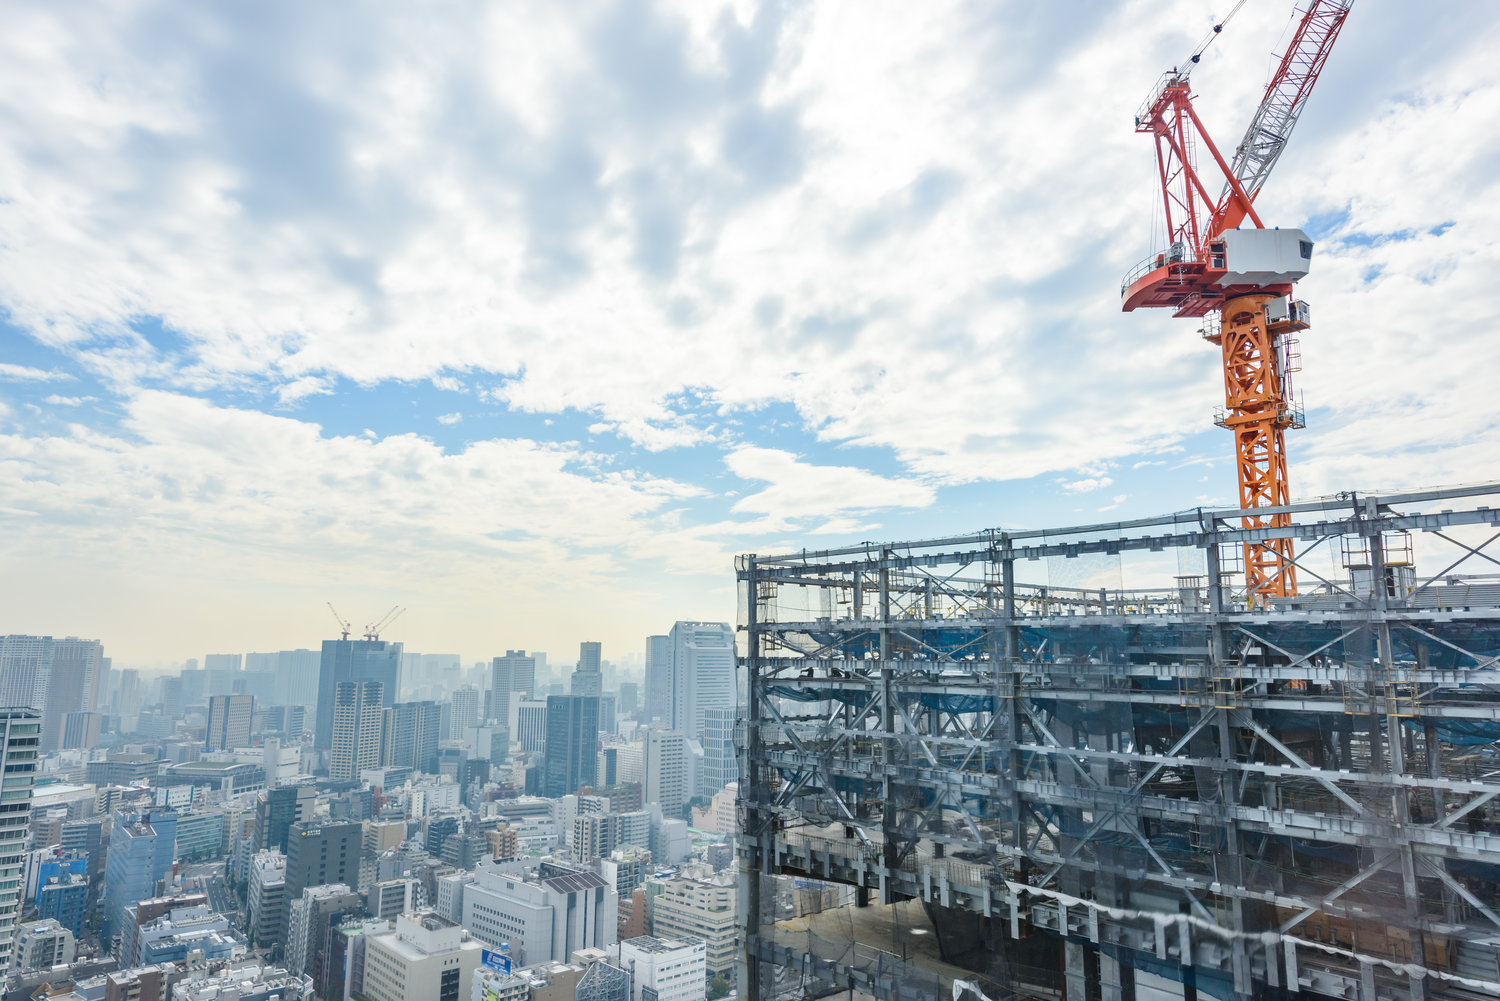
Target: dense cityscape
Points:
(359, 821)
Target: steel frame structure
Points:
(1090, 790)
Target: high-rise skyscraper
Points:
(25, 667)
(659, 678)
(702, 673)
(590, 656)
(465, 711)
(664, 764)
(571, 752)
(717, 738)
(353, 660)
(297, 677)
(229, 721)
(129, 692)
(358, 728)
(589, 683)
(20, 740)
(219, 673)
(511, 677)
(411, 735)
(172, 702)
(630, 696)
(74, 676)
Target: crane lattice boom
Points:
(1286, 95)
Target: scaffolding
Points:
(1098, 793)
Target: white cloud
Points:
(276, 502)
(800, 490)
(25, 373)
(1086, 485)
(301, 389)
(452, 418)
(67, 401)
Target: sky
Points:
(528, 317)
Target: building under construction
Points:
(982, 765)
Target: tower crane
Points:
(1240, 280)
(372, 631)
(343, 623)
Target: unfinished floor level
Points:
(1094, 792)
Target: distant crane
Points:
(372, 631)
(344, 625)
(1240, 281)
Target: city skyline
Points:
(793, 279)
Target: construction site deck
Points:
(1101, 792)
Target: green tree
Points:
(719, 987)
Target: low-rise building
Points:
(141, 913)
(41, 945)
(248, 982)
(65, 898)
(665, 969)
(544, 911)
(450, 894)
(425, 957)
(183, 930)
(603, 982)
(492, 985)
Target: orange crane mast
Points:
(1240, 281)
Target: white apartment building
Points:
(674, 969)
(544, 911)
(425, 957)
(358, 726)
(465, 712)
(699, 903)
